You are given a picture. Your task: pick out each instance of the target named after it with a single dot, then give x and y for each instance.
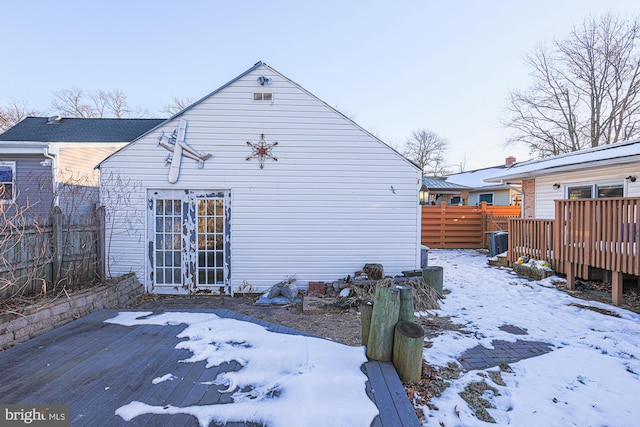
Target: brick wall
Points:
(529, 197)
(37, 319)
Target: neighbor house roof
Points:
(56, 129)
(441, 185)
(612, 154)
(477, 179)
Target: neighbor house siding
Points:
(33, 185)
(78, 179)
(500, 197)
(545, 194)
(335, 199)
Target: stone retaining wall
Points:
(37, 319)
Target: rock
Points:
(374, 271)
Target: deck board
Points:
(97, 367)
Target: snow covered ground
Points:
(284, 380)
(591, 378)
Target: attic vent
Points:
(263, 96)
(54, 120)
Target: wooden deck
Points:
(96, 367)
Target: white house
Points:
(254, 183)
(493, 193)
(606, 171)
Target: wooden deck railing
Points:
(532, 238)
(586, 233)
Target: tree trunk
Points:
(386, 309)
(408, 346)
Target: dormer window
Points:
(263, 96)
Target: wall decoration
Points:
(178, 148)
(262, 150)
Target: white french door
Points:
(188, 241)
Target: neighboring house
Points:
(437, 190)
(607, 171)
(46, 162)
(502, 193)
(258, 182)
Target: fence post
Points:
(100, 243)
(57, 244)
(443, 217)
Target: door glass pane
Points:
(211, 229)
(168, 242)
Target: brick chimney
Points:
(509, 161)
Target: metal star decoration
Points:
(262, 151)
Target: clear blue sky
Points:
(393, 66)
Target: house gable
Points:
(309, 192)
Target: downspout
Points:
(51, 153)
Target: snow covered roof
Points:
(619, 153)
(476, 179)
(441, 185)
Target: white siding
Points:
(545, 194)
(335, 199)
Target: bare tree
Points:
(77, 103)
(426, 149)
(585, 90)
(177, 104)
(72, 103)
(14, 112)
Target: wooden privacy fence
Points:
(64, 254)
(460, 227)
(586, 233)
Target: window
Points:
(595, 191)
(263, 96)
(486, 197)
(581, 192)
(7, 181)
(610, 190)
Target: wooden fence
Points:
(457, 227)
(64, 254)
(586, 233)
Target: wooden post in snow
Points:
(386, 309)
(433, 276)
(407, 312)
(366, 310)
(408, 345)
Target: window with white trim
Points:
(595, 191)
(263, 96)
(486, 197)
(7, 181)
